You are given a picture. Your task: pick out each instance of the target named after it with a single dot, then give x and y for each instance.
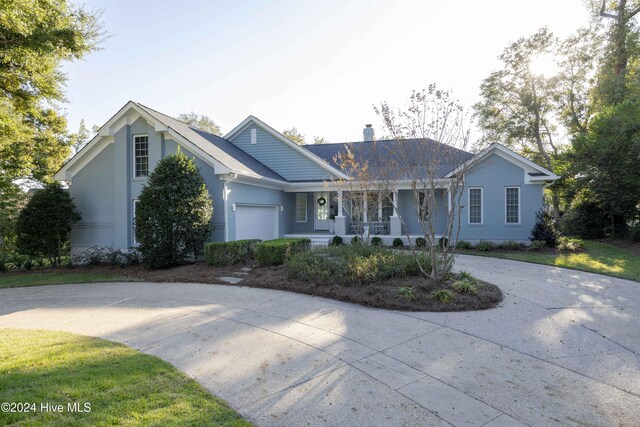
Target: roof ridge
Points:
(176, 119)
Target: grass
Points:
(56, 278)
(598, 257)
(122, 386)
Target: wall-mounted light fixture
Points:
(233, 207)
(281, 208)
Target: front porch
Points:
(321, 239)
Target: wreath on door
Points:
(322, 201)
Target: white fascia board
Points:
(354, 185)
(281, 137)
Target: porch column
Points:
(340, 226)
(395, 223)
(379, 206)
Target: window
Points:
(512, 205)
(141, 155)
(423, 205)
(387, 206)
(475, 206)
(133, 221)
(372, 206)
(301, 207)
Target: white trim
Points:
(481, 206)
(306, 208)
(134, 176)
(281, 137)
(519, 205)
(510, 156)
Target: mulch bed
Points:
(382, 294)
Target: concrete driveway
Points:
(563, 348)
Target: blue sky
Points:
(315, 65)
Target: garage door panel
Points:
(256, 222)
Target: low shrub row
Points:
(220, 254)
(277, 251)
(351, 265)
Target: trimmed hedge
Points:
(275, 252)
(229, 253)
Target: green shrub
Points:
(356, 265)
(376, 241)
(421, 242)
(4, 259)
(397, 243)
(545, 229)
(407, 292)
(463, 244)
(485, 246)
(443, 295)
(570, 244)
(336, 241)
(466, 284)
(586, 220)
(276, 252)
(173, 214)
(511, 245)
(229, 253)
(44, 225)
(537, 245)
(355, 240)
(634, 232)
(443, 242)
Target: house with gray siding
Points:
(264, 186)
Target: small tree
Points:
(44, 225)
(173, 215)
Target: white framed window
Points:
(475, 205)
(301, 207)
(512, 205)
(140, 156)
(134, 208)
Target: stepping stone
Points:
(239, 273)
(232, 280)
(246, 269)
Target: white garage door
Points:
(256, 222)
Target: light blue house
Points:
(265, 186)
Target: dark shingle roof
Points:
(394, 155)
(219, 148)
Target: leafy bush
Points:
(336, 241)
(463, 244)
(173, 215)
(443, 242)
(277, 251)
(537, 245)
(407, 292)
(357, 265)
(355, 240)
(229, 253)
(4, 259)
(443, 295)
(485, 246)
(570, 244)
(376, 241)
(634, 232)
(545, 229)
(585, 220)
(421, 242)
(511, 245)
(44, 225)
(96, 255)
(397, 243)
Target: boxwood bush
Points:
(376, 241)
(229, 253)
(421, 242)
(277, 251)
(397, 243)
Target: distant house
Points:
(265, 186)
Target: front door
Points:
(321, 203)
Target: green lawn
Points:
(597, 257)
(56, 278)
(122, 386)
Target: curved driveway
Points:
(563, 348)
